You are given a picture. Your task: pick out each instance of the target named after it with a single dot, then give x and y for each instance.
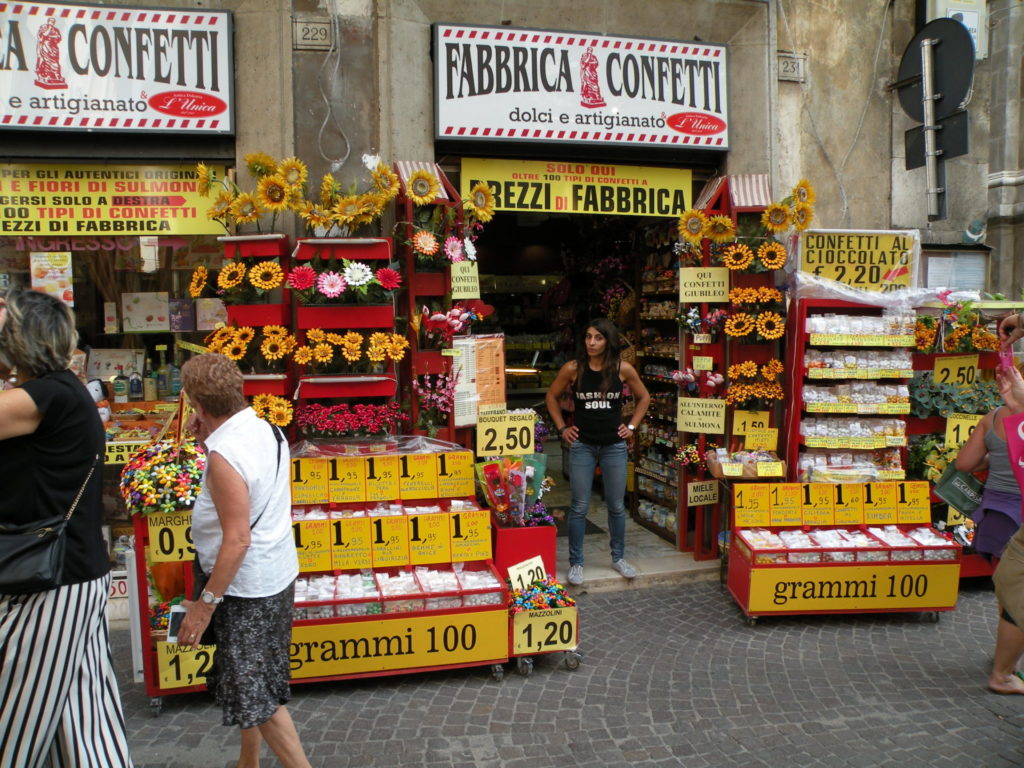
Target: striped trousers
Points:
(59, 704)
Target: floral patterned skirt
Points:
(250, 674)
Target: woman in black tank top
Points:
(597, 436)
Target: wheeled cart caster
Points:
(524, 666)
(572, 659)
(751, 621)
(497, 672)
(156, 706)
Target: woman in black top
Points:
(597, 436)
(60, 702)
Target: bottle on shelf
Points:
(163, 387)
(135, 391)
(120, 386)
(149, 382)
(174, 377)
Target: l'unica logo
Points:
(187, 103)
(695, 123)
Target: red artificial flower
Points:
(302, 277)
(389, 279)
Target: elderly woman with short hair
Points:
(60, 704)
(241, 527)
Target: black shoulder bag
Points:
(32, 554)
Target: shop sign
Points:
(497, 84)
(138, 70)
(544, 631)
(701, 416)
(50, 202)
(699, 284)
(864, 259)
(701, 492)
(839, 588)
(595, 188)
(465, 280)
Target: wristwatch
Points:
(561, 430)
(631, 428)
(210, 599)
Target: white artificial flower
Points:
(357, 274)
(371, 161)
(470, 249)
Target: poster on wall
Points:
(51, 274)
(145, 312)
(478, 362)
(499, 84)
(210, 314)
(138, 70)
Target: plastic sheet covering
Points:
(348, 446)
(804, 285)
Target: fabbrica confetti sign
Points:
(501, 84)
(87, 67)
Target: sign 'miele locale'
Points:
(524, 85)
(95, 68)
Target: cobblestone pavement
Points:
(670, 676)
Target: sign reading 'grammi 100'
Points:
(499, 84)
(110, 68)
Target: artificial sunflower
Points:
(234, 351)
(770, 325)
(739, 324)
(203, 179)
(219, 335)
(316, 335)
(266, 276)
(261, 402)
(323, 353)
(423, 187)
(334, 338)
(330, 191)
(803, 213)
(352, 339)
(691, 226)
(373, 206)
(737, 257)
(315, 216)
(260, 164)
(772, 255)
(350, 211)
(385, 180)
(274, 330)
(425, 242)
(293, 171)
(244, 335)
(803, 192)
(246, 209)
(302, 355)
(272, 349)
(221, 207)
(480, 202)
(746, 369)
(775, 218)
(720, 229)
(772, 369)
(198, 283)
(280, 413)
(273, 193)
(231, 276)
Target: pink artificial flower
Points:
(302, 277)
(453, 249)
(331, 284)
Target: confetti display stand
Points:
(434, 526)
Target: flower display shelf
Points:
(429, 283)
(428, 361)
(346, 316)
(258, 315)
(254, 246)
(514, 544)
(352, 248)
(267, 384)
(348, 385)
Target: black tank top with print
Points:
(597, 413)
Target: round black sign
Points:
(952, 68)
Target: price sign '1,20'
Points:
(545, 631)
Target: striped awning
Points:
(709, 192)
(747, 191)
(406, 168)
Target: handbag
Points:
(32, 554)
(960, 490)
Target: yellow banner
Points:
(120, 453)
(353, 647)
(870, 261)
(838, 588)
(104, 199)
(598, 188)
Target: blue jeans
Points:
(584, 458)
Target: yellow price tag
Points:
(471, 535)
(390, 541)
(762, 439)
(178, 666)
(954, 517)
(744, 421)
(500, 433)
(417, 476)
(351, 546)
(817, 504)
(959, 427)
(769, 468)
(309, 481)
(381, 473)
(544, 631)
(849, 503)
(961, 370)
(785, 504)
(170, 537)
(313, 545)
(880, 503)
(429, 539)
(454, 474)
(914, 503)
(752, 505)
(346, 479)
(703, 363)
(732, 469)
(522, 575)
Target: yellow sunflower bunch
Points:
(739, 324)
(692, 224)
(746, 369)
(984, 340)
(279, 188)
(274, 344)
(952, 339)
(352, 346)
(770, 326)
(772, 370)
(386, 346)
(737, 257)
(760, 295)
(480, 203)
(197, 284)
(743, 392)
(276, 410)
(778, 217)
(348, 209)
(924, 335)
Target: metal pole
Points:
(931, 162)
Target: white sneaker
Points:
(627, 570)
(576, 575)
